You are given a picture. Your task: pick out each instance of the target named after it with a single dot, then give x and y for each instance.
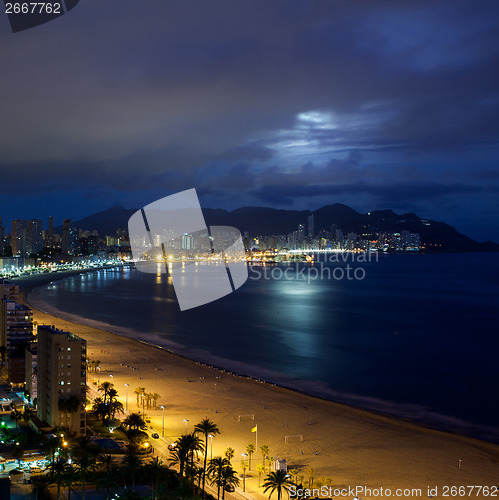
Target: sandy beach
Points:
(350, 446)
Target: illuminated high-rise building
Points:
(61, 375)
(49, 236)
(35, 236)
(16, 324)
(19, 238)
(311, 226)
(69, 238)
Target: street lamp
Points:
(185, 422)
(126, 397)
(211, 446)
(143, 399)
(98, 376)
(163, 431)
(244, 455)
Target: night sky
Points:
(289, 104)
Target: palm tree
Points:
(107, 463)
(155, 396)
(179, 457)
(154, 470)
(250, 449)
(294, 473)
(133, 463)
(85, 453)
(93, 365)
(188, 446)
(61, 406)
(112, 394)
(107, 476)
(300, 488)
(215, 472)
(139, 391)
(28, 413)
(147, 397)
(69, 478)
(260, 468)
(73, 405)
(100, 409)
(300, 479)
(206, 427)
(229, 453)
(229, 477)
(59, 469)
(105, 387)
(264, 450)
(50, 447)
(277, 481)
(194, 445)
(115, 407)
(323, 481)
(134, 421)
(311, 476)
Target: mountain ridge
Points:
(265, 221)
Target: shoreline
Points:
(302, 392)
(348, 444)
(406, 412)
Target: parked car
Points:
(16, 472)
(155, 435)
(229, 487)
(172, 446)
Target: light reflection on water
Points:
(405, 333)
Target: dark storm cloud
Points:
(390, 192)
(194, 75)
(285, 101)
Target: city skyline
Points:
(291, 230)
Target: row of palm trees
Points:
(312, 480)
(90, 466)
(92, 365)
(219, 470)
(149, 399)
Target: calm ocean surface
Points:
(418, 337)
